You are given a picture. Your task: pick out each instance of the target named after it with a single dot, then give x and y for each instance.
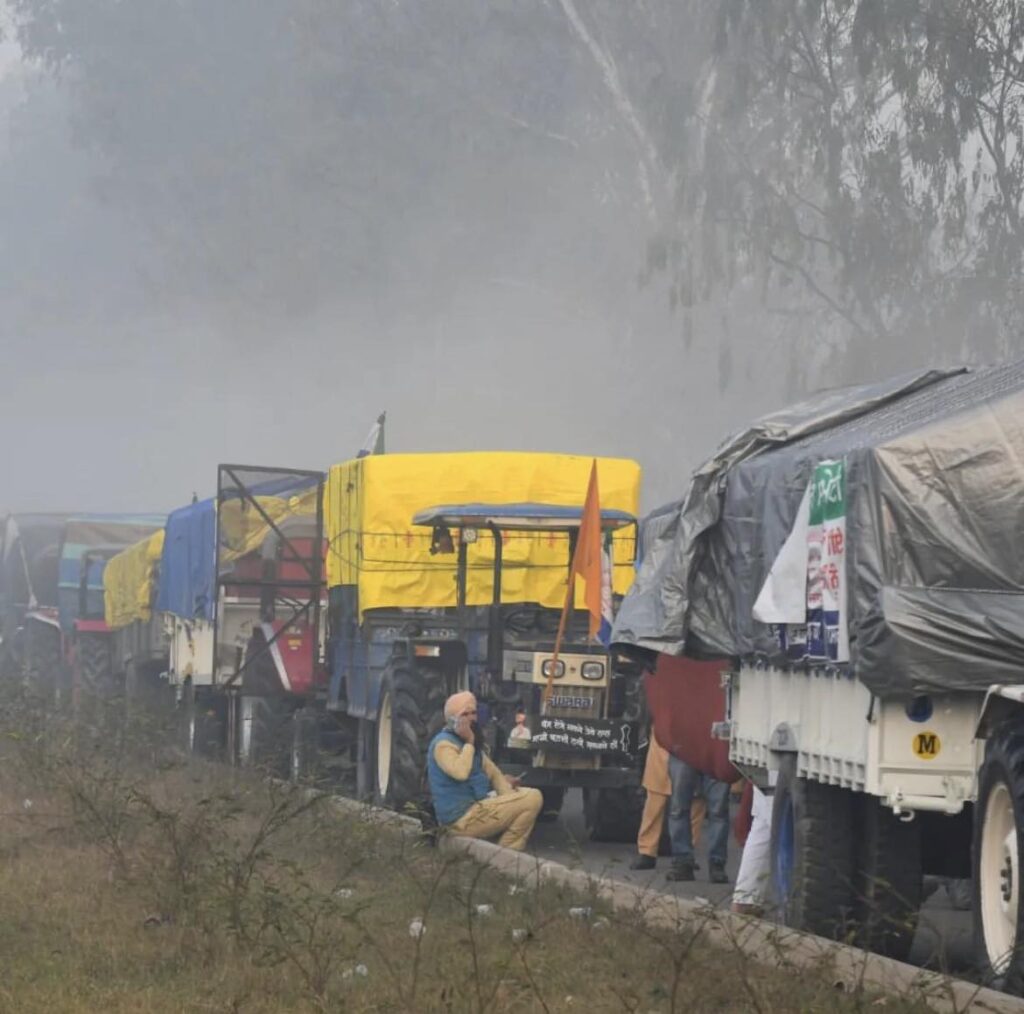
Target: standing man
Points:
(471, 795)
(658, 787)
(687, 781)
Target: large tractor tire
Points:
(264, 733)
(406, 722)
(812, 854)
(613, 815)
(889, 880)
(997, 855)
(44, 666)
(94, 666)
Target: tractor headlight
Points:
(592, 670)
(553, 669)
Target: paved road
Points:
(943, 939)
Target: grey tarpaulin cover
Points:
(934, 472)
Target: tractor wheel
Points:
(44, 665)
(997, 853)
(264, 733)
(402, 733)
(554, 796)
(812, 853)
(613, 815)
(889, 880)
(93, 675)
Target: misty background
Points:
(238, 232)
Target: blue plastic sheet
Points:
(187, 579)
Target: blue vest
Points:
(453, 798)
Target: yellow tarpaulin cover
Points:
(128, 584)
(129, 578)
(242, 528)
(370, 503)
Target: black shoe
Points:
(642, 862)
(682, 869)
(717, 874)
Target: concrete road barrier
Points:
(757, 939)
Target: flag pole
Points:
(570, 594)
(591, 504)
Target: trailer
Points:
(240, 589)
(857, 563)
(448, 572)
(140, 635)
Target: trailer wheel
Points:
(889, 880)
(401, 734)
(812, 853)
(305, 730)
(264, 731)
(201, 723)
(998, 836)
(613, 815)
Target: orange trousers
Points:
(653, 820)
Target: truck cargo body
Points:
(241, 591)
(919, 755)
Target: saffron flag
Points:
(591, 562)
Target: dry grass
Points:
(132, 882)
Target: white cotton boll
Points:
(344, 892)
(26, 804)
(485, 910)
(582, 912)
(519, 935)
(601, 923)
(417, 928)
(362, 970)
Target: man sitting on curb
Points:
(471, 796)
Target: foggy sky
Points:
(503, 310)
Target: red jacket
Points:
(685, 697)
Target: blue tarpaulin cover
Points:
(187, 564)
(188, 585)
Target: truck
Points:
(448, 571)
(856, 564)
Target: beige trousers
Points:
(653, 818)
(512, 816)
